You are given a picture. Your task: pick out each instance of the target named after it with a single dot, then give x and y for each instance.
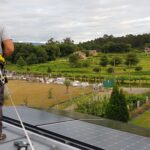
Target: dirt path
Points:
(137, 90)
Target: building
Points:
(80, 54)
(147, 50)
(92, 52)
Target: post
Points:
(130, 76)
(147, 100)
(138, 104)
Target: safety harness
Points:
(3, 78)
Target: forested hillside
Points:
(33, 54)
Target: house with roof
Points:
(81, 55)
(92, 52)
(147, 50)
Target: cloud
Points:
(39, 20)
(136, 20)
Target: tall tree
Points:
(117, 107)
(74, 59)
(115, 61)
(104, 61)
(41, 54)
(131, 59)
(21, 62)
(32, 59)
(53, 51)
(67, 47)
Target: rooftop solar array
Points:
(96, 135)
(100, 136)
(33, 116)
(40, 143)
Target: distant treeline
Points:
(102, 43)
(30, 54)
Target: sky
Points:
(81, 20)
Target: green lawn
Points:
(143, 120)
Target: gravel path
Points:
(136, 90)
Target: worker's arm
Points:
(8, 47)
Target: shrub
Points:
(138, 68)
(96, 69)
(116, 61)
(28, 69)
(89, 105)
(67, 83)
(104, 61)
(110, 70)
(131, 59)
(50, 93)
(85, 64)
(74, 59)
(49, 70)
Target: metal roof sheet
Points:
(39, 142)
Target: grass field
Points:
(36, 94)
(143, 120)
(62, 66)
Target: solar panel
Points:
(96, 135)
(33, 116)
(40, 143)
(99, 136)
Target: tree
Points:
(67, 84)
(116, 47)
(147, 44)
(41, 54)
(74, 59)
(131, 59)
(20, 62)
(23, 50)
(115, 61)
(68, 40)
(117, 107)
(104, 61)
(53, 51)
(32, 59)
(110, 70)
(67, 47)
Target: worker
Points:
(6, 49)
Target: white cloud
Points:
(136, 20)
(39, 20)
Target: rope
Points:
(23, 127)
